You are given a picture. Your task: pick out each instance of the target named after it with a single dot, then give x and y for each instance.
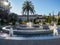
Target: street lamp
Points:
(5, 3)
(6, 9)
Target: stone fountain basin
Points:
(27, 31)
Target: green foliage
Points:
(59, 21)
(2, 22)
(27, 6)
(13, 18)
(49, 19)
(4, 16)
(36, 20)
(13, 22)
(44, 23)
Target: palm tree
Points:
(58, 19)
(27, 8)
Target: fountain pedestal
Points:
(29, 25)
(40, 26)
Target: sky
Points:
(41, 6)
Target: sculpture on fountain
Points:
(54, 27)
(41, 25)
(55, 31)
(29, 25)
(11, 32)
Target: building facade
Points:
(31, 17)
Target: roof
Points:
(29, 15)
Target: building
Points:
(31, 17)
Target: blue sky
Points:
(41, 6)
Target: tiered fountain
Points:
(28, 30)
(47, 39)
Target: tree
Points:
(58, 20)
(4, 10)
(1, 13)
(27, 8)
(36, 20)
(13, 18)
(59, 13)
(4, 16)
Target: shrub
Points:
(24, 22)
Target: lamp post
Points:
(6, 10)
(5, 4)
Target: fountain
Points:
(28, 30)
(47, 40)
(44, 38)
(29, 25)
(40, 26)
